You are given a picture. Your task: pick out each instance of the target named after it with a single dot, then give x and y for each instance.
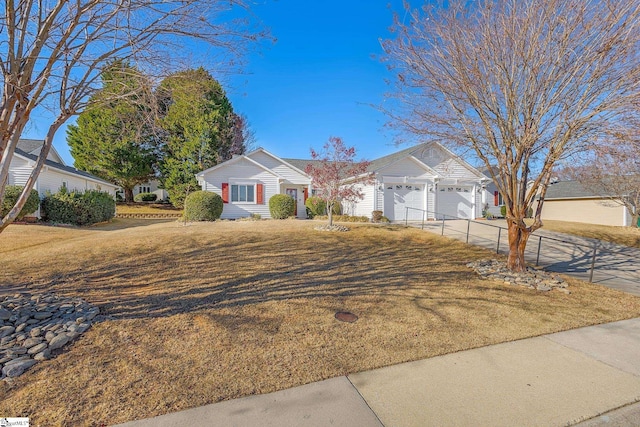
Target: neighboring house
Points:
(54, 174)
(151, 187)
(426, 177)
(572, 201)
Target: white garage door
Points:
(454, 201)
(397, 197)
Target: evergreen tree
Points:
(200, 129)
(114, 140)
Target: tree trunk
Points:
(635, 220)
(128, 195)
(517, 244)
(330, 213)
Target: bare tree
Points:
(521, 83)
(611, 171)
(52, 52)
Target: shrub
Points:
(203, 206)
(384, 219)
(345, 218)
(376, 216)
(145, 197)
(316, 206)
(503, 211)
(281, 206)
(78, 208)
(11, 194)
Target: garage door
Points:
(397, 197)
(454, 202)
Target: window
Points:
(242, 193)
(144, 189)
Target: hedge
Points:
(346, 218)
(281, 206)
(78, 208)
(203, 206)
(145, 197)
(11, 194)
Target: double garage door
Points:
(451, 201)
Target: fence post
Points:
(593, 263)
(539, 245)
(468, 227)
(498, 245)
(406, 216)
(442, 225)
(424, 213)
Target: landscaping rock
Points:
(59, 341)
(16, 369)
(533, 278)
(334, 227)
(31, 326)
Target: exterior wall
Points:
(154, 187)
(406, 168)
(363, 207)
(590, 211)
(19, 171)
(279, 168)
(242, 171)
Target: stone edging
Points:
(149, 215)
(35, 328)
(532, 278)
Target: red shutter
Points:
(496, 198)
(225, 192)
(306, 194)
(259, 194)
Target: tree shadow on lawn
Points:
(193, 275)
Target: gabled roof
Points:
(63, 168)
(236, 159)
(31, 145)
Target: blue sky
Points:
(316, 81)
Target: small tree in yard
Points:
(336, 176)
(520, 83)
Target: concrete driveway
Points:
(616, 266)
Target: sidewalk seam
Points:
(364, 400)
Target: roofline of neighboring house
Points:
(595, 197)
(67, 170)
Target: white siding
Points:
(244, 171)
(19, 171)
(279, 168)
(406, 168)
(363, 207)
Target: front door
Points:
(293, 192)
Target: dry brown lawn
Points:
(146, 208)
(214, 311)
(626, 236)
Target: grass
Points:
(626, 236)
(214, 311)
(146, 208)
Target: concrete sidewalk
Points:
(553, 380)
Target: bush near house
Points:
(203, 206)
(11, 194)
(281, 206)
(78, 208)
(317, 207)
(145, 197)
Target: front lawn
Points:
(626, 236)
(214, 311)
